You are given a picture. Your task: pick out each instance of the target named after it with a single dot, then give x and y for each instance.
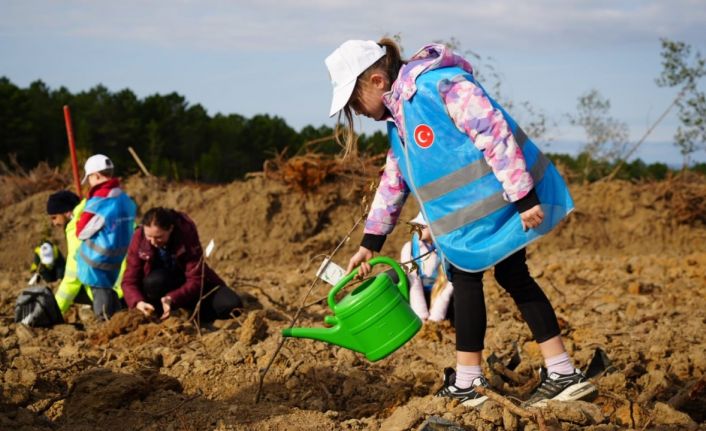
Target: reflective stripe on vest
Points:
(98, 265)
(100, 256)
(486, 206)
(118, 252)
(463, 176)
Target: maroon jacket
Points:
(185, 247)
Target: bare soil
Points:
(625, 273)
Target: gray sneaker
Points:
(561, 387)
(468, 397)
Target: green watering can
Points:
(375, 319)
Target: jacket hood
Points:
(430, 57)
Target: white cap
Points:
(46, 254)
(96, 163)
(345, 64)
(419, 219)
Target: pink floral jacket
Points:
(471, 111)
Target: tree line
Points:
(174, 139)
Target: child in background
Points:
(429, 291)
(105, 227)
(64, 209)
(482, 185)
(48, 264)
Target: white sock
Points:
(560, 364)
(466, 374)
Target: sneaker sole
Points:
(475, 402)
(575, 392)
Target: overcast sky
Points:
(265, 56)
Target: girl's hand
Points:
(147, 309)
(360, 258)
(532, 217)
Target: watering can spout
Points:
(333, 335)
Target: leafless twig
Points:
(161, 414)
(266, 295)
(687, 393)
(299, 310)
(499, 368)
(620, 163)
(535, 415)
(196, 312)
(65, 367)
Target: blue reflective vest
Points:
(100, 256)
(427, 280)
(473, 226)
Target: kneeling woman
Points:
(165, 269)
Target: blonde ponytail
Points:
(389, 64)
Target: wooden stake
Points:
(139, 162)
(72, 149)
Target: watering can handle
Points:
(401, 284)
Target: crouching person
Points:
(105, 227)
(165, 270)
(64, 208)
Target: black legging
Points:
(469, 302)
(217, 305)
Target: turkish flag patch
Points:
(423, 136)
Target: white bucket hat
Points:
(345, 64)
(419, 219)
(96, 163)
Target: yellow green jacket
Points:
(70, 285)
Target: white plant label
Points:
(209, 248)
(330, 272)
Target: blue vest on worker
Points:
(100, 256)
(473, 226)
(427, 280)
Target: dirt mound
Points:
(624, 218)
(625, 273)
(260, 219)
(17, 184)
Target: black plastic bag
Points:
(36, 307)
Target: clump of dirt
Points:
(121, 323)
(97, 390)
(624, 272)
(254, 328)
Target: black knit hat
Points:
(62, 202)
